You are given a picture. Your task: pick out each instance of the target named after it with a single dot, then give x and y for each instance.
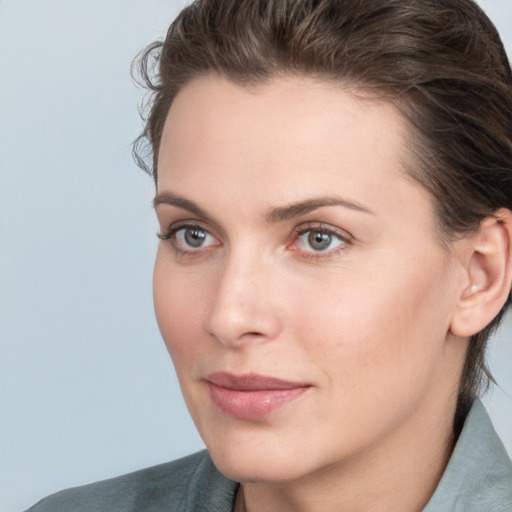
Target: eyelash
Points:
(344, 237)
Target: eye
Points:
(194, 237)
(189, 238)
(319, 240)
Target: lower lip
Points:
(252, 405)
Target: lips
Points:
(251, 396)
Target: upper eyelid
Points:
(188, 223)
(167, 223)
(322, 226)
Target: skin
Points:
(365, 323)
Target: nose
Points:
(243, 306)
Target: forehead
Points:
(276, 104)
(286, 115)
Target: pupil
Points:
(195, 237)
(319, 241)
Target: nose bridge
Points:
(242, 307)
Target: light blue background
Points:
(86, 386)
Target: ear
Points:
(488, 271)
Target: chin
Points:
(246, 467)
(258, 456)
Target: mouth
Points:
(250, 396)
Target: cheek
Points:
(377, 333)
(179, 306)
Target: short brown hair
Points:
(441, 62)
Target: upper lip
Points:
(251, 382)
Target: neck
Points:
(399, 474)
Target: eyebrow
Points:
(281, 213)
(274, 215)
(174, 200)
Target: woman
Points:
(334, 194)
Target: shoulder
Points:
(479, 474)
(190, 483)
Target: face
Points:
(299, 284)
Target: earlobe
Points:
(489, 275)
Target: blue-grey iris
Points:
(195, 237)
(319, 241)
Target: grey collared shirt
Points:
(478, 477)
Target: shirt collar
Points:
(478, 476)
